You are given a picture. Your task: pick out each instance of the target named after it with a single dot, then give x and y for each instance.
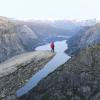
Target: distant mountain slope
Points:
(87, 37)
(67, 24)
(44, 29)
(91, 36)
(73, 25)
(74, 41)
(27, 36)
(14, 39)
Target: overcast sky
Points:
(54, 9)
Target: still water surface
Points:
(59, 59)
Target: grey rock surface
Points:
(15, 72)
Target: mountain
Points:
(14, 38)
(77, 79)
(45, 28)
(89, 36)
(18, 36)
(73, 25)
(67, 24)
(89, 22)
(74, 41)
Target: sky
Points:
(50, 9)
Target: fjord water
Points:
(59, 59)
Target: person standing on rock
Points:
(52, 46)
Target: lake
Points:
(59, 59)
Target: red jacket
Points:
(52, 45)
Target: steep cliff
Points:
(14, 39)
(15, 72)
(89, 36)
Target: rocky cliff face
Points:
(74, 41)
(77, 79)
(14, 39)
(86, 37)
(91, 37)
